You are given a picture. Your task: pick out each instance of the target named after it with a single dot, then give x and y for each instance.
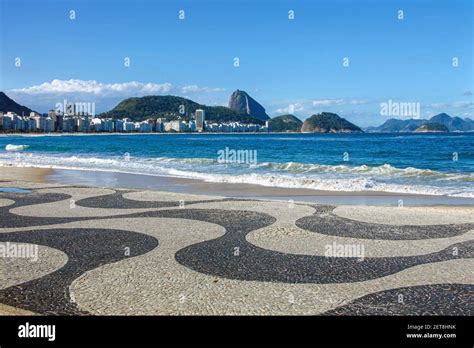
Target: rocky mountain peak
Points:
(242, 102)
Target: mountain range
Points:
(243, 108)
(173, 108)
(453, 124)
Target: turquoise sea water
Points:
(440, 164)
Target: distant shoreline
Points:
(210, 133)
(151, 133)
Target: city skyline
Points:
(286, 60)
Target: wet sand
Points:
(24, 174)
(200, 187)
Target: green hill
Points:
(432, 127)
(7, 104)
(453, 123)
(327, 122)
(170, 107)
(286, 123)
(393, 125)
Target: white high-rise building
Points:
(268, 125)
(200, 118)
(128, 126)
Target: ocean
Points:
(428, 163)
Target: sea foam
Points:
(385, 178)
(11, 147)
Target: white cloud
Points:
(197, 89)
(438, 105)
(311, 106)
(329, 102)
(123, 89)
(333, 102)
(292, 108)
(105, 95)
(462, 104)
(94, 87)
(358, 101)
(458, 104)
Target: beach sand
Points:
(180, 252)
(113, 180)
(24, 174)
(8, 310)
(251, 191)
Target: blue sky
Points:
(283, 62)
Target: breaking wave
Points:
(385, 178)
(11, 147)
